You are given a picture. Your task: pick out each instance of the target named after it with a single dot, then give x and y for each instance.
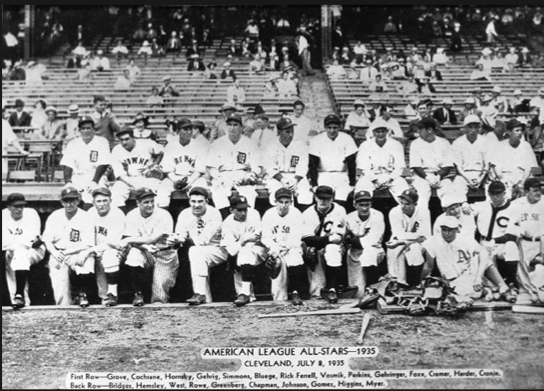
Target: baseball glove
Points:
(153, 171)
(273, 266)
(310, 256)
(181, 184)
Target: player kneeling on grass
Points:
(199, 230)
(20, 232)
(461, 261)
(68, 237)
(282, 235)
(109, 227)
(147, 231)
(241, 236)
(365, 229)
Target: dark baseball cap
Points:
(514, 123)
(496, 187)
(285, 123)
(236, 118)
(259, 110)
(184, 123)
(103, 191)
(199, 191)
(410, 195)
(144, 192)
(126, 129)
(69, 193)
(426, 122)
(531, 182)
(324, 192)
(200, 125)
(362, 195)
(239, 202)
(332, 119)
(16, 199)
(283, 193)
(84, 120)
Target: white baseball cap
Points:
(450, 222)
(378, 123)
(471, 119)
(452, 199)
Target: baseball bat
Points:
(528, 309)
(364, 326)
(310, 313)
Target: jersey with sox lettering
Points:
(285, 231)
(184, 160)
(370, 232)
(109, 228)
(84, 158)
(21, 231)
(205, 230)
(232, 231)
(290, 159)
(132, 162)
(334, 221)
(242, 156)
(491, 221)
(64, 233)
(527, 218)
(332, 153)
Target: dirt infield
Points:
(40, 347)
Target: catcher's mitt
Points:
(181, 184)
(153, 171)
(273, 266)
(310, 256)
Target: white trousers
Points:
(369, 257)
(303, 193)
(21, 258)
(202, 258)
(120, 192)
(397, 186)
(331, 255)
(279, 285)
(399, 257)
(339, 181)
(248, 255)
(60, 276)
(166, 188)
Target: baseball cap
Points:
(426, 122)
(332, 119)
(496, 187)
(102, 190)
(69, 193)
(450, 222)
(126, 129)
(531, 182)
(285, 123)
(238, 202)
(16, 199)
(471, 119)
(514, 123)
(324, 192)
(358, 102)
(184, 123)
(378, 123)
(283, 192)
(200, 125)
(197, 190)
(410, 195)
(228, 106)
(452, 199)
(362, 195)
(84, 120)
(144, 192)
(235, 118)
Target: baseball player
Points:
(109, 226)
(130, 159)
(68, 237)
(333, 159)
(20, 231)
(241, 237)
(286, 164)
(461, 261)
(527, 225)
(198, 228)
(365, 229)
(431, 159)
(147, 231)
(234, 162)
(410, 227)
(455, 205)
(380, 162)
(282, 236)
(323, 232)
(86, 160)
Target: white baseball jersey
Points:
(404, 227)
(370, 232)
(21, 231)
(285, 231)
(513, 161)
(131, 163)
(85, 158)
(332, 153)
(226, 156)
(64, 233)
(467, 226)
(527, 219)
(431, 156)
(204, 230)
(471, 156)
(233, 231)
(333, 222)
(109, 228)
(291, 159)
(185, 160)
(373, 159)
(490, 221)
(159, 222)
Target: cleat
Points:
(138, 299)
(83, 301)
(18, 302)
(332, 297)
(111, 300)
(295, 298)
(241, 300)
(197, 299)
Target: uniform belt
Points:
(531, 238)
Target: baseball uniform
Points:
(131, 163)
(407, 228)
(165, 262)
(332, 170)
(67, 234)
(205, 231)
(381, 164)
(315, 224)
(290, 161)
(285, 235)
(235, 162)
(17, 236)
(370, 234)
(467, 226)
(472, 158)
(83, 159)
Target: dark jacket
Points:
(23, 121)
(439, 115)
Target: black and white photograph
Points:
(272, 196)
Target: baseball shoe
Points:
(295, 298)
(138, 299)
(509, 296)
(241, 300)
(83, 301)
(18, 302)
(332, 297)
(197, 299)
(111, 300)
(487, 294)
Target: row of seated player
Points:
(303, 251)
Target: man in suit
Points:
(19, 117)
(433, 73)
(444, 114)
(525, 59)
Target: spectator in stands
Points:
(120, 50)
(192, 50)
(104, 124)
(236, 93)
(17, 72)
(433, 73)
(488, 112)
(408, 87)
(140, 131)
(80, 52)
(123, 82)
(8, 138)
(38, 115)
(445, 115)
(537, 104)
(233, 49)
(256, 66)
(517, 104)
(377, 108)
(210, 71)
(219, 128)
(423, 111)
(283, 25)
(440, 58)
(369, 72)
(246, 47)
(100, 63)
(353, 73)
(499, 101)
(34, 74)
(378, 85)
(425, 86)
(134, 71)
(261, 51)
(196, 64)
(303, 41)
(486, 60)
(274, 58)
(168, 89)
(140, 34)
(20, 117)
(155, 100)
(512, 57)
(227, 72)
(156, 49)
(287, 64)
(345, 56)
(271, 87)
(490, 30)
(252, 30)
(145, 50)
(456, 39)
(336, 71)
(396, 72)
(359, 50)
(286, 86)
(390, 27)
(525, 60)
(85, 73)
(263, 134)
(71, 124)
(53, 129)
(410, 110)
(480, 74)
(357, 118)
